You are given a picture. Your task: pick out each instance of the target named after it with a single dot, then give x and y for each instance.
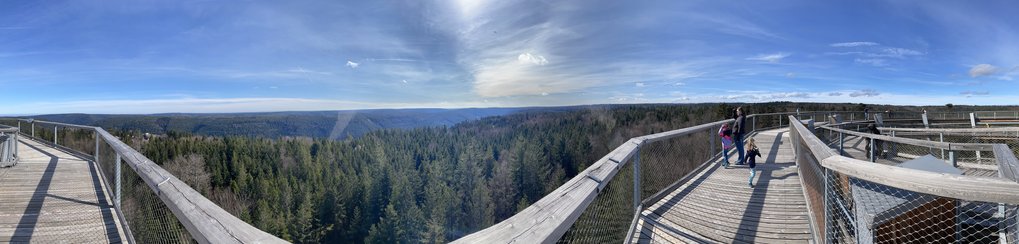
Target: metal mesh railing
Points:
(663, 164)
(8, 146)
(148, 218)
(971, 161)
(120, 193)
(853, 210)
(860, 211)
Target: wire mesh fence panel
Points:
(860, 211)
(664, 162)
(148, 218)
(608, 218)
(77, 139)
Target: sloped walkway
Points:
(717, 205)
(51, 196)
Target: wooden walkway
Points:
(855, 147)
(51, 196)
(717, 206)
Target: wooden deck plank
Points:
(53, 196)
(717, 205)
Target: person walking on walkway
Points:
(737, 133)
(725, 132)
(752, 154)
(877, 147)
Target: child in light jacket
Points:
(752, 155)
(725, 132)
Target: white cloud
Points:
(834, 94)
(529, 58)
(544, 93)
(640, 84)
(352, 64)
(679, 83)
(854, 44)
(896, 52)
(974, 93)
(404, 81)
(790, 75)
(771, 58)
(864, 93)
(982, 70)
(872, 61)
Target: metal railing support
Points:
(841, 143)
(754, 123)
(117, 170)
(873, 150)
(712, 135)
(55, 136)
(951, 158)
(95, 154)
(636, 179)
(941, 138)
(33, 129)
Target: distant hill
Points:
(318, 124)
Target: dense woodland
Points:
(431, 184)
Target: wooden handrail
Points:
(918, 142)
(955, 186)
(203, 219)
(952, 130)
(546, 220)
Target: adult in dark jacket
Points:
(879, 149)
(739, 129)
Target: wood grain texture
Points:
(717, 205)
(204, 220)
(53, 196)
(918, 142)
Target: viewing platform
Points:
(931, 178)
(717, 204)
(90, 187)
(55, 196)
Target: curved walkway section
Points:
(717, 205)
(51, 196)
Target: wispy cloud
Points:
(896, 52)
(982, 70)
(872, 61)
(352, 64)
(854, 44)
(974, 93)
(770, 58)
(865, 93)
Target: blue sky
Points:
(129, 56)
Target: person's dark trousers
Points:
(738, 139)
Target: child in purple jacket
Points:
(725, 132)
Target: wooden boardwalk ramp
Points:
(716, 205)
(52, 196)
